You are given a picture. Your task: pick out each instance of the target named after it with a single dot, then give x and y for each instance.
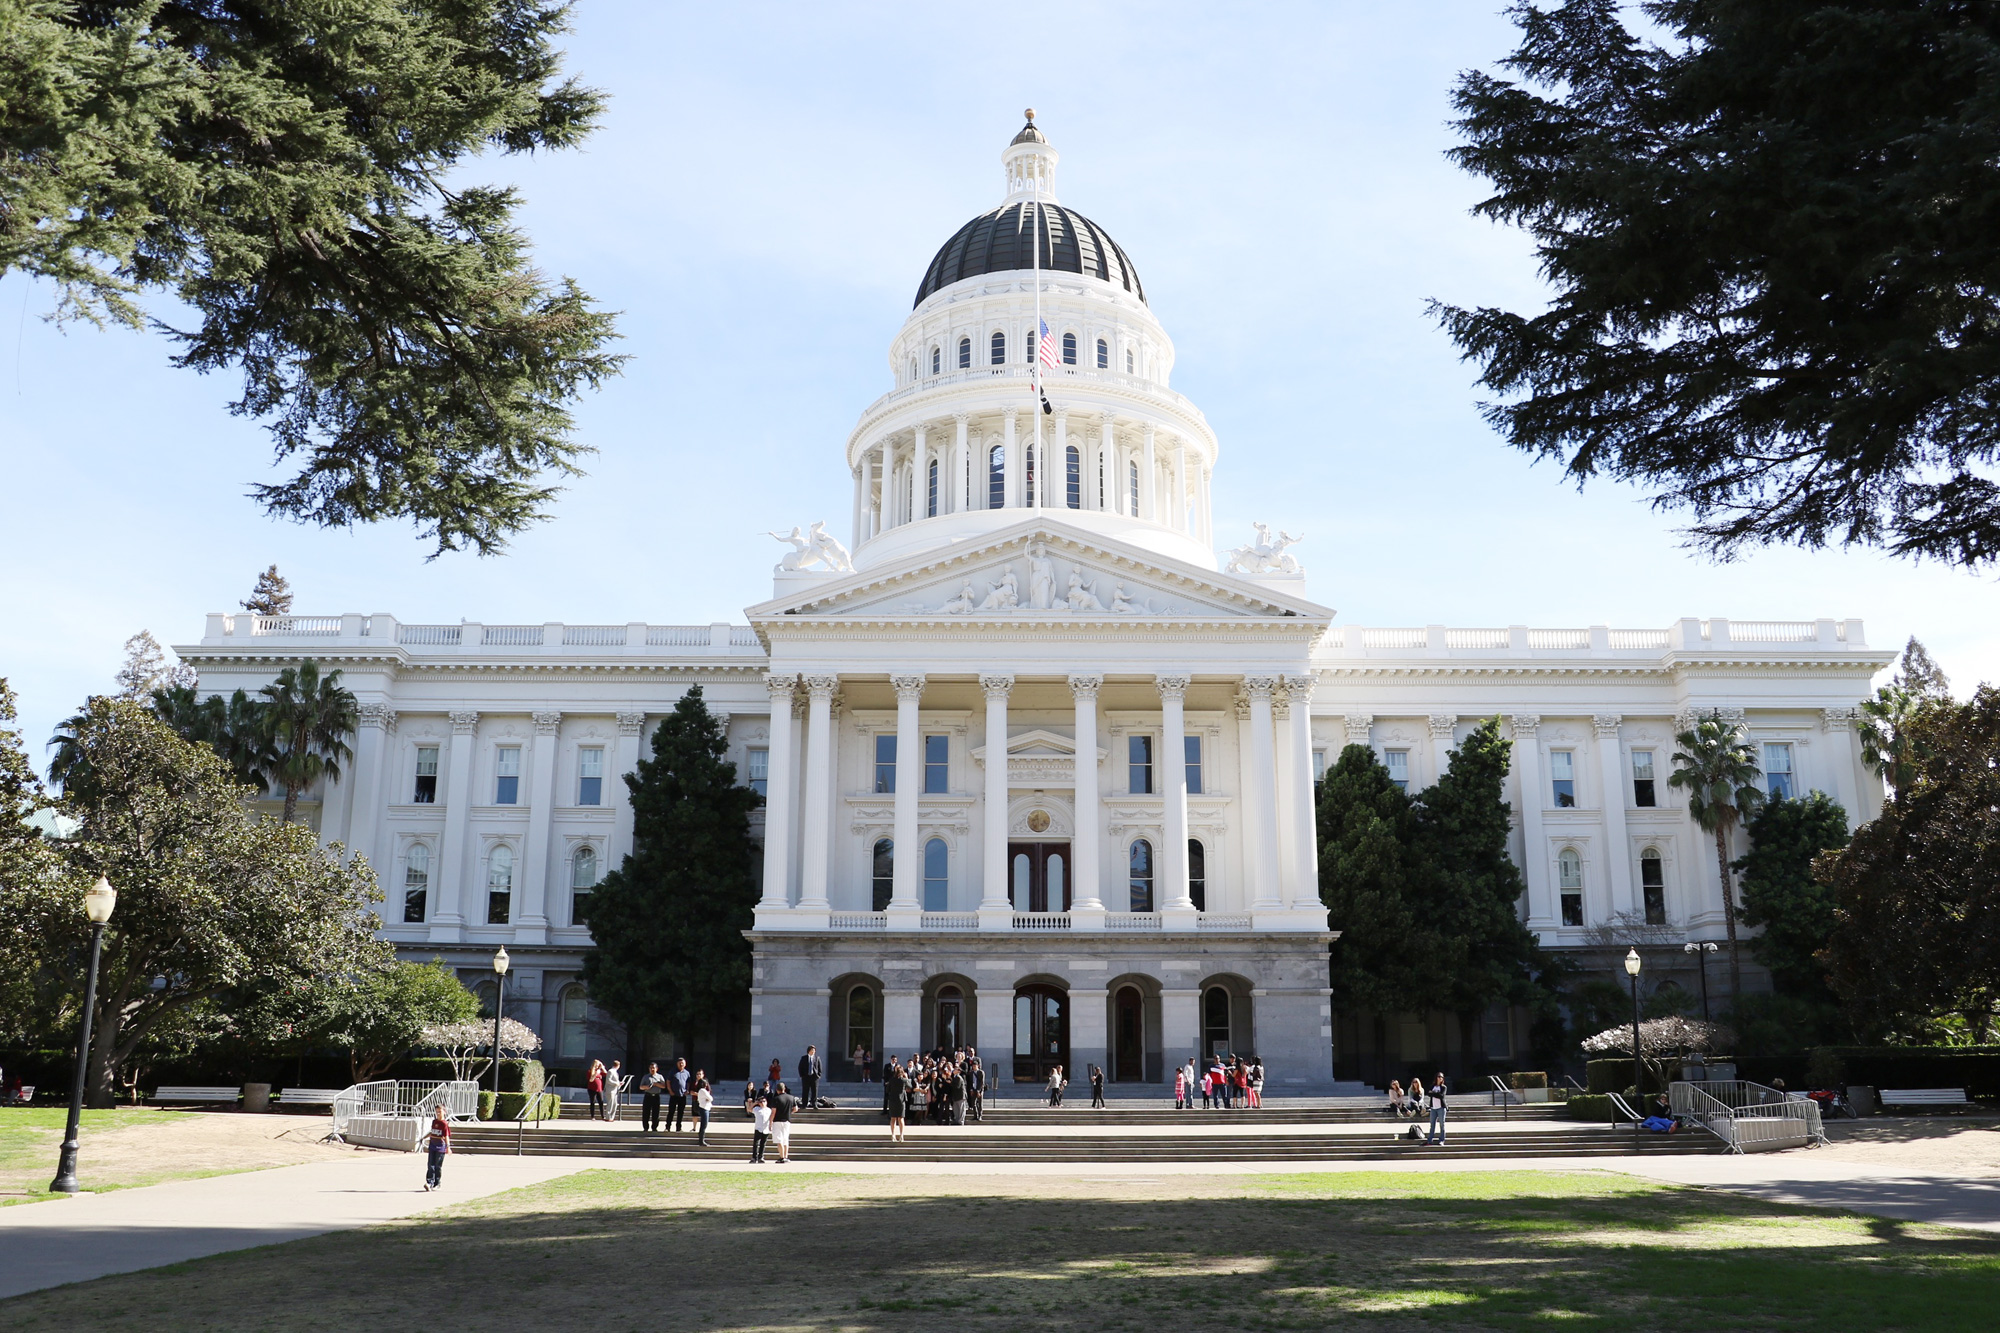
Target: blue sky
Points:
(768, 186)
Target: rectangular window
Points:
(1139, 765)
(1644, 795)
(885, 764)
(1562, 775)
(1778, 770)
(416, 882)
(758, 761)
(590, 776)
(1398, 764)
(1193, 764)
(1569, 880)
(1653, 881)
(507, 787)
(1319, 765)
(427, 775)
(937, 765)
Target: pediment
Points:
(1038, 744)
(1040, 571)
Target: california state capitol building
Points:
(1038, 745)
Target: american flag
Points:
(1047, 354)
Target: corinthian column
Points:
(778, 796)
(1172, 867)
(908, 862)
(1305, 817)
(1611, 783)
(995, 908)
(815, 853)
(1262, 824)
(1085, 855)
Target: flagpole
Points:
(1041, 462)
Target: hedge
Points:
(1615, 1075)
(1974, 1068)
(524, 1076)
(1523, 1079)
(510, 1104)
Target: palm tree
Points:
(233, 728)
(1886, 734)
(1718, 769)
(306, 720)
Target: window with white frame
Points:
(1653, 886)
(1569, 883)
(1141, 883)
(885, 764)
(1128, 361)
(1139, 765)
(999, 348)
(1198, 874)
(499, 885)
(1562, 778)
(883, 873)
(582, 879)
(1644, 794)
(965, 353)
(1778, 770)
(1069, 349)
(757, 760)
(1134, 510)
(937, 765)
(996, 477)
(937, 360)
(575, 1017)
(1193, 746)
(507, 775)
(937, 875)
(590, 775)
(416, 881)
(1103, 355)
(1319, 765)
(1398, 764)
(427, 776)
(931, 501)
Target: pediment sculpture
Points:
(1082, 593)
(1265, 555)
(818, 549)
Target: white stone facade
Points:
(1031, 692)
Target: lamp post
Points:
(97, 905)
(500, 961)
(1701, 952)
(1632, 966)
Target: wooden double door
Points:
(1041, 1033)
(1038, 876)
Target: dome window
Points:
(937, 360)
(999, 348)
(1069, 349)
(996, 475)
(965, 353)
(1103, 355)
(1073, 465)
(1128, 361)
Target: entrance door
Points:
(950, 1019)
(1038, 875)
(1129, 1060)
(1041, 1033)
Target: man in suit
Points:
(810, 1070)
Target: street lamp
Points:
(1632, 966)
(1701, 952)
(97, 905)
(500, 961)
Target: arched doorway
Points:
(1215, 1022)
(1128, 1036)
(950, 1018)
(1041, 1032)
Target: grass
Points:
(610, 1251)
(31, 1140)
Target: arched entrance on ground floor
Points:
(1132, 1051)
(1041, 1031)
(854, 1023)
(950, 1018)
(1226, 1020)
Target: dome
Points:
(997, 242)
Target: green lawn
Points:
(31, 1141)
(610, 1251)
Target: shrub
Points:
(510, 1105)
(1590, 1106)
(515, 1075)
(1522, 1079)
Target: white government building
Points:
(1039, 768)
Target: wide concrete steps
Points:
(1019, 1113)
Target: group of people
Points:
(1229, 1083)
(1413, 1103)
(943, 1088)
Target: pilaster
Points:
(1618, 847)
(448, 926)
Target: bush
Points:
(515, 1075)
(1974, 1068)
(1612, 1075)
(1590, 1106)
(510, 1104)
(1523, 1079)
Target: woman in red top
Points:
(596, 1082)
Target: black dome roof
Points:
(997, 242)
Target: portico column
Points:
(778, 784)
(1287, 796)
(1305, 817)
(1107, 464)
(1085, 856)
(1534, 847)
(1263, 812)
(534, 926)
(371, 745)
(1149, 484)
(1838, 724)
(1011, 447)
(1173, 858)
(447, 925)
(814, 851)
(907, 863)
(995, 907)
(960, 464)
(860, 502)
(1618, 849)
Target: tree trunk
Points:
(100, 1081)
(291, 802)
(1729, 913)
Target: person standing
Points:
(704, 1106)
(436, 1144)
(760, 1127)
(1096, 1087)
(895, 1098)
(596, 1084)
(1437, 1112)
(678, 1085)
(810, 1070)
(1180, 1089)
(650, 1087)
(1256, 1084)
(783, 1107)
(975, 1083)
(1056, 1085)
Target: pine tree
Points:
(1377, 884)
(1918, 674)
(1780, 894)
(145, 668)
(669, 922)
(272, 596)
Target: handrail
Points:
(535, 1104)
(403, 1099)
(1503, 1095)
(1619, 1106)
(1745, 1114)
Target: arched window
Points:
(1142, 876)
(499, 884)
(416, 881)
(930, 506)
(937, 866)
(575, 1014)
(999, 348)
(1134, 510)
(582, 879)
(1103, 355)
(1215, 1021)
(937, 359)
(885, 872)
(1073, 485)
(965, 353)
(1569, 879)
(996, 477)
(913, 367)
(1198, 874)
(948, 1032)
(1128, 361)
(1653, 883)
(1069, 349)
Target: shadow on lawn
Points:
(647, 1251)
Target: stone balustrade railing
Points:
(322, 633)
(1682, 635)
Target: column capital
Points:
(960, 418)
(1260, 687)
(1830, 719)
(908, 688)
(378, 715)
(996, 687)
(1085, 688)
(1442, 725)
(1008, 414)
(1062, 417)
(546, 722)
(1300, 688)
(1281, 706)
(781, 688)
(822, 687)
(631, 724)
(1606, 725)
(464, 723)
(1171, 687)
(1525, 724)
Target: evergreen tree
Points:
(1780, 894)
(146, 669)
(271, 597)
(1378, 886)
(1717, 767)
(668, 923)
(1918, 674)
(306, 719)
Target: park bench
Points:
(186, 1096)
(27, 1095)
(308, 1097)
(1922, 1097)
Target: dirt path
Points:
(1964, 1147)
(157, 1146)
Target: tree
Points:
(1915, 948)
(1768, 226)
(291, 174)
(381, 1014)
(1718, 770)
(146, 669)
(211, 900)
(1377, 887)
(271, 597)
(1663, 1042)
(234, 728)
(37, 997)
(1886, 727)
(462, 1042)
(1780, 895)
(1918, 674)
(669, 922)
(307, 720)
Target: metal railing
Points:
(1749, 1117)
(1503, 1096)
(403, 1099)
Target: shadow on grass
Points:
(611, 1250)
